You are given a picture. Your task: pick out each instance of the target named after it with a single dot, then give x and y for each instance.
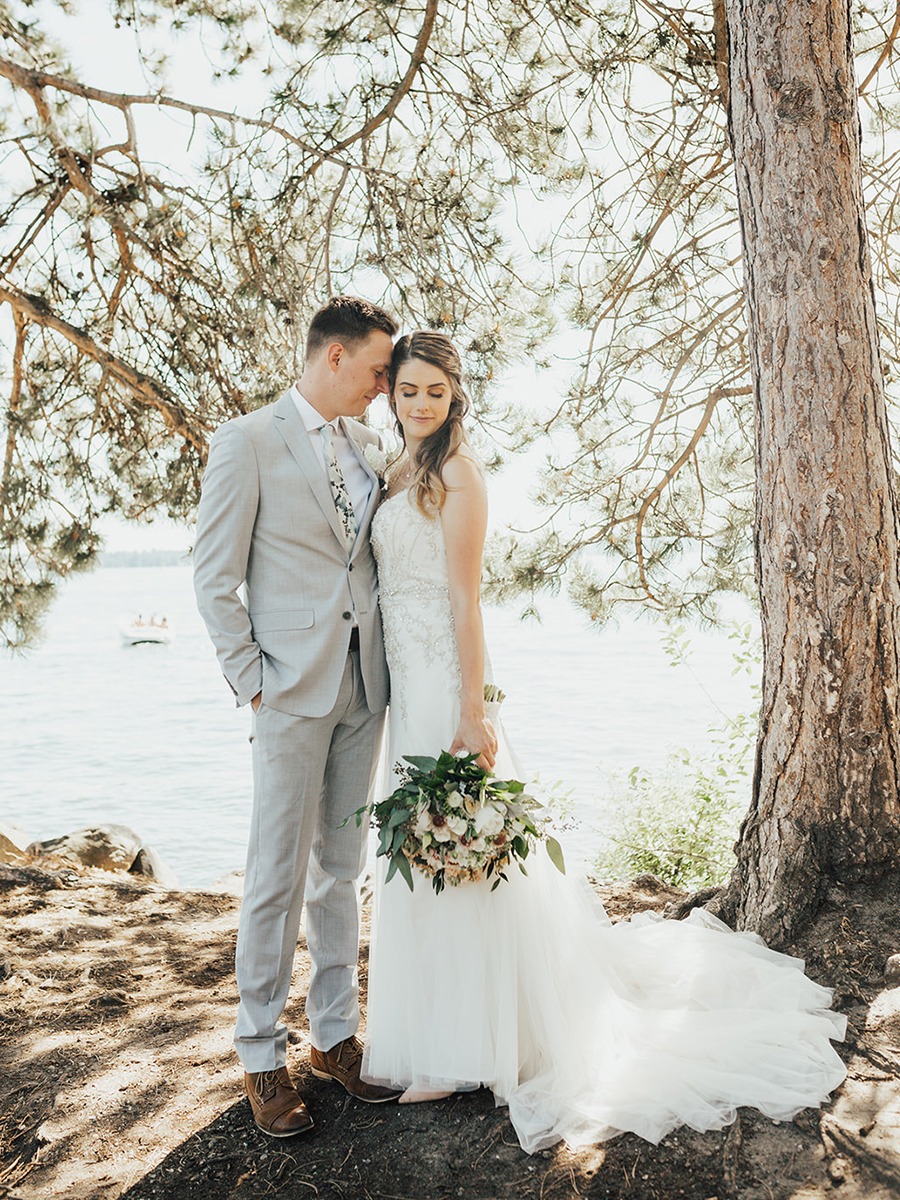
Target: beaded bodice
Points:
(414, 596)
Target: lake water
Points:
(148, 736)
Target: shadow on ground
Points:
(118, 1079)
(460, 1149)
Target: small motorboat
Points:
(135, 630)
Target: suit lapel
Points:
(290, 426)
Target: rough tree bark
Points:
(825, 797)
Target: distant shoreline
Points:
(144, 558)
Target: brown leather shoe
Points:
(341, 1063)
(277, 1106)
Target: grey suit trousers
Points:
(309, 774)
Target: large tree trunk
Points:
(825, 797)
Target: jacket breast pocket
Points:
(287, 618)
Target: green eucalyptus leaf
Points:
(404, 868)
(554, 849)
(422, 762)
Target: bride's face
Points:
(421, 399)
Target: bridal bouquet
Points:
(454, 822)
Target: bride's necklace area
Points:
(401, 479)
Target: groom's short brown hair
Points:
(347, 319)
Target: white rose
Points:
(423, 823)
(376, 458)
(454, 799)
(458, 824)
(488, 820)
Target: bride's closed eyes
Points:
(436, 393)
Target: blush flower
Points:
(440, 829)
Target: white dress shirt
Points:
(357, 480)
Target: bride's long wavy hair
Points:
(439, 351)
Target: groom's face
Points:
(361, 373)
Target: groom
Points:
(286, 505)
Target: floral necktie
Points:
(339, 492)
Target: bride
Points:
(583, 1028)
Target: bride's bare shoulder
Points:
(463, 470)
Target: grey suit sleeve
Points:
(225, 520)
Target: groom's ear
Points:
(334, 352)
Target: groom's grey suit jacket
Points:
(267, 522)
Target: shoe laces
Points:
(350, 1051)
(266, 1082)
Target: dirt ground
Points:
(118, 1079)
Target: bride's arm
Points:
(464, 521)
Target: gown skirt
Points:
(584, 1029)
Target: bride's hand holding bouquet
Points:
(476, 735)
(453, 822)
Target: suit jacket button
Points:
(346, 616)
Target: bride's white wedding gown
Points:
(583, 1028)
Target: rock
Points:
(16, 834)
(837, 1170)
(231, 884)
(650, 883)
(892, 971)
(10, 852)
(150, 864)
(110, 847)
(117, 998)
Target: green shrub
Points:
(678, 826)
(681, 823)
